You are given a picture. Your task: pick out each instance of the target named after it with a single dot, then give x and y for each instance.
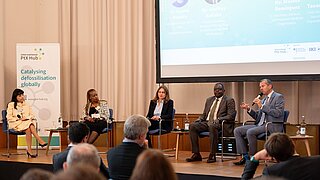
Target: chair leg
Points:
(8, 144)
(8, 153)
(159, 137)
(222, 148)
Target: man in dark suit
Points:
(270, 109)
(77, 133)
(280, 147)
(217, 108)
(122, 159)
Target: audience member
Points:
(217, 108)
(77, 133)
(149, 164)
(271, 109)
(83, 153)
(20, 118)
(37, 174)
(160, 107)
(93, 117)
(122, 159)
(280, 147)
(79, 171)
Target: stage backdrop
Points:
(38, 75)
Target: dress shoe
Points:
(241, 162)
(211, 158)
(31, 155)
(43, 145)
(194, 157)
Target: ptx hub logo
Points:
(35, 56)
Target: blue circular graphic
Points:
(179, 3)
(213, 1)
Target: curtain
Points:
(108, 46)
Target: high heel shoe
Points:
(43, 145)
(31, 155)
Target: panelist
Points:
(217, 108)
(93, 117)
(270, 109)
(160, 107)
(20, 118)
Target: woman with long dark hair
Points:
(20, 118)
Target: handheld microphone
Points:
(19, 116)
(259, 96)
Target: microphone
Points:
(19, 116)
(259, 96)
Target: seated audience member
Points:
(217, 108)
(77, 133)
(79, 171)
(160, 107)
(280, 147)
(149, 164)
(37, 174)
(121, 159)
(92, 116)
(270, 109)
(83, 153)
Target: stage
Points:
(16, 165)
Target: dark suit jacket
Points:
(226, 112)
(60, 158)
(299, 168)
(274, 112)
(166, 113)
(122, 159)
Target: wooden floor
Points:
(226, 168)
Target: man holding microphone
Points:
(270, 109)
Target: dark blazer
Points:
(60, 158)
(299, 168)
(274, 112)
(226, 111)
(122, 159)
(166, 113)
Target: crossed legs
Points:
(32, 130)
(93, 136)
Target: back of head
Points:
(279, 146)
(79, 171)
(77, 132)
(135, 126)
(83, 153)
(37, 174)
(156, 160)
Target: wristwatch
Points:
(252, 159)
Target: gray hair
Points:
(83, 153)
(267, 81)
(135, 126)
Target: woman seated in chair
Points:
(20, 118)
(95, 115)
(160, 107)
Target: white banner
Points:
(38, 75)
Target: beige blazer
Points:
(24, 110)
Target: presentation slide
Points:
(210, 38)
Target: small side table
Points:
(305, 139)
(178, 133)
(63, 140)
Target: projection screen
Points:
(237, 40)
